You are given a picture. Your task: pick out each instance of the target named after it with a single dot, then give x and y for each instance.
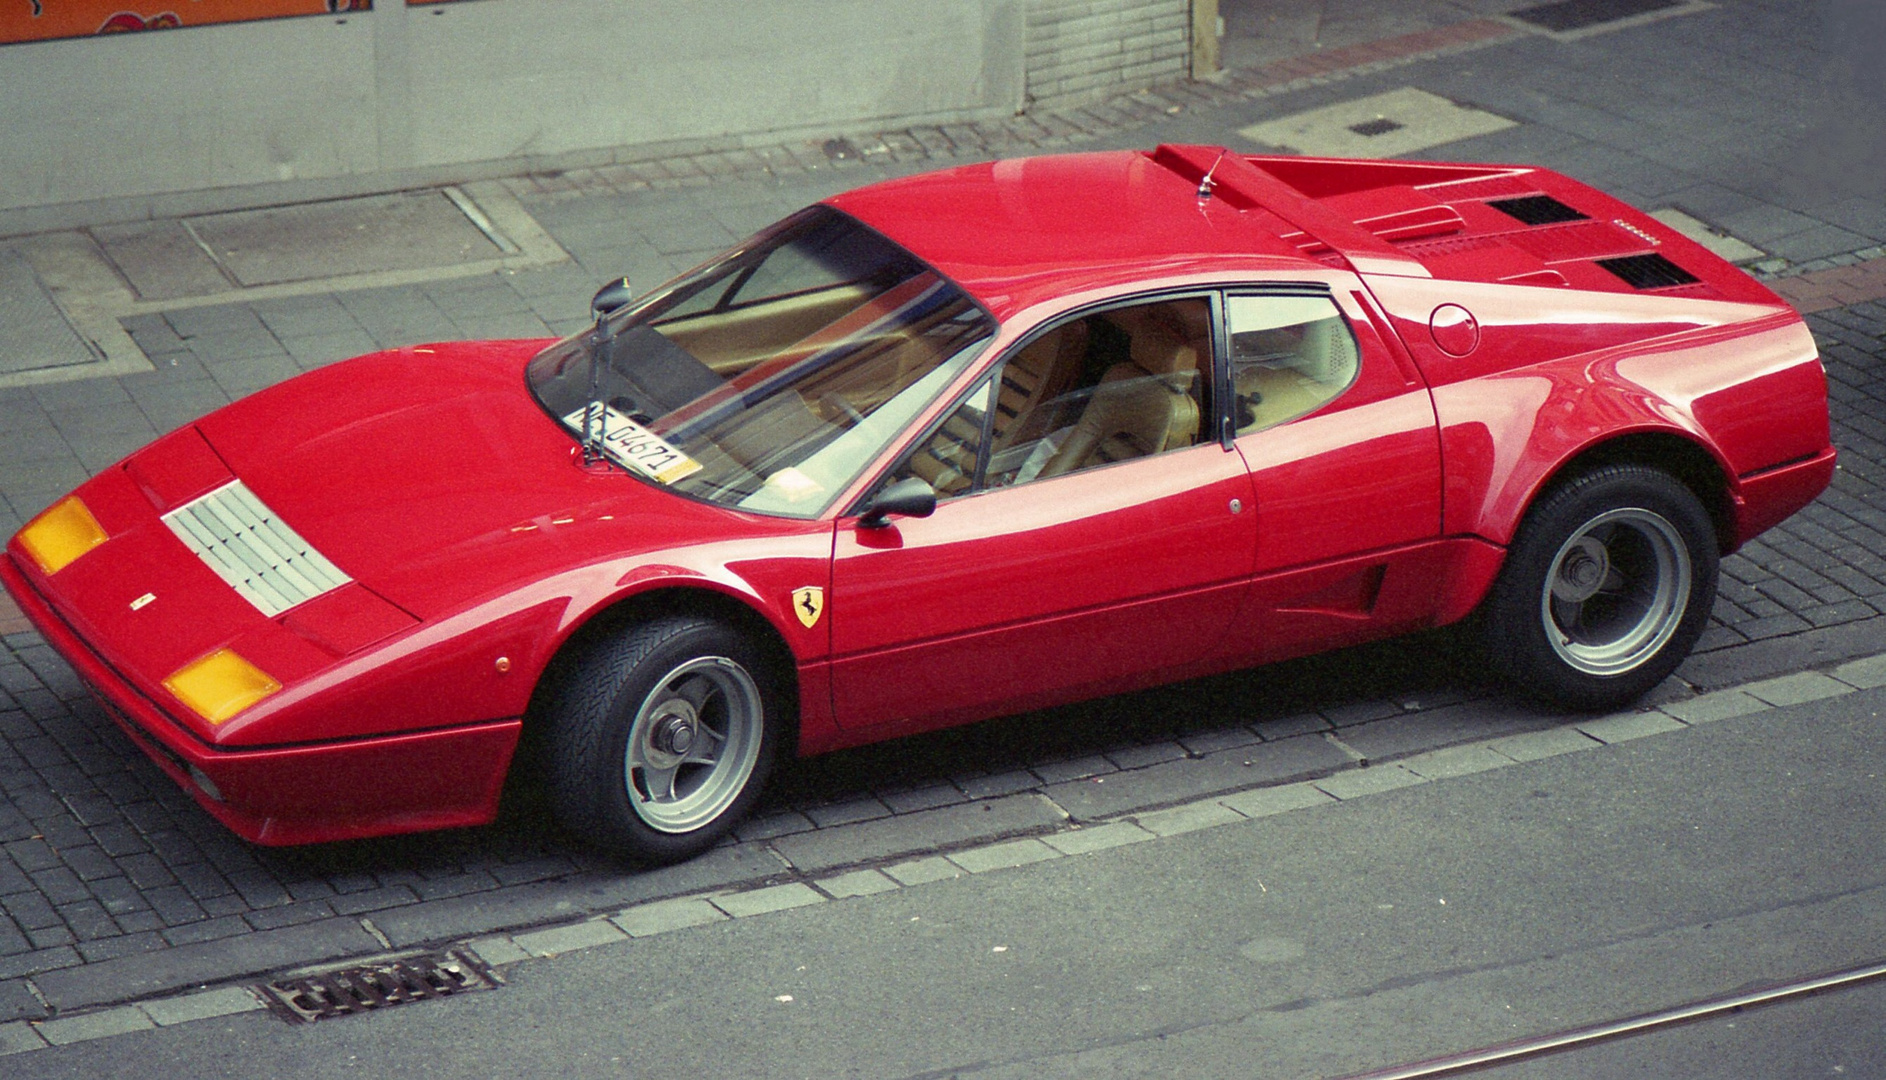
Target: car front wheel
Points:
(1607, 586)
(661, 737)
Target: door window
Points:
(1121, 384)
(1290, 355)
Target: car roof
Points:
(1023, 230)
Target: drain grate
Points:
(1537, 210)
(1381, 125)
(1580, 14)
(377, 986)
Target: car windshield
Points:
(770, 378)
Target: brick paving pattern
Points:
(102, 857)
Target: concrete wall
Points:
(108, 128)
(244, 114)
(1083, 49)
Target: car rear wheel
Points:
(661, 737)
(1607, 586)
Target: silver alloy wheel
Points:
(693, 744)
(1616, 591)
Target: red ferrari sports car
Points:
(942, 448)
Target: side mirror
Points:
(910, 497)
(610, 297)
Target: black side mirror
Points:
(910, 497)
(610, 297)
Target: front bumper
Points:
(306, 793)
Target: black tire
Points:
(1605, 589)
(660, 737)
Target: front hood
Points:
(432, 477)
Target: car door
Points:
(1339, 434)
(1091, 534)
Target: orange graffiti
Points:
(42, 20)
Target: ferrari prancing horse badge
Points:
(808, 603)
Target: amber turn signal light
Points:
(220, 685)
(61, 534)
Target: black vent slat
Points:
(1538, 210)
(1649, 271)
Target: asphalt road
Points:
(1319, 943)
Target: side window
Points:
(1124, 383)
(1289, 355)
(947, 459)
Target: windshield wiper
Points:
(608, 299)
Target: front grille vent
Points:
(1538, 210)
(253, 550)
(377, 986)
(1648, 271)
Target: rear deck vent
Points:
(1648, 271)
(377, 986)
(1538, 210)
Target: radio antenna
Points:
(1205, 182)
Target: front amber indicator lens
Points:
(220, 685)
(61, 534)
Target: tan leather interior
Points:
(729, 342)
(1142, 408)
(1321, 366)
(1041, 370)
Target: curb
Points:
(1070, 840)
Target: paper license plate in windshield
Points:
(637, 447)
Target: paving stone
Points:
(666, 915)
(205, 1006)
(1797, 688)
(1004, 856)
(1539, 745)
(1455, 761)
(857, 883)
(498, 950)
(562, 939)
(999, 784)
(1622, 727)
(906, 834)
(1865, 674)
(846, 813)
(18, 1003)
(1411, 733)
(483, 913)
(764, 901)
(1371, 781)
(924, 871)
(98, 1025)
(1190, 818)
(20, 1038)
(1097, 838)
(1192, 778)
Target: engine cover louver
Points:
(1648, 271)
(1537, 210)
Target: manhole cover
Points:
(34, 333)
(405, 231)
(366, 987)
(1362, 128)
(1579, 14)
